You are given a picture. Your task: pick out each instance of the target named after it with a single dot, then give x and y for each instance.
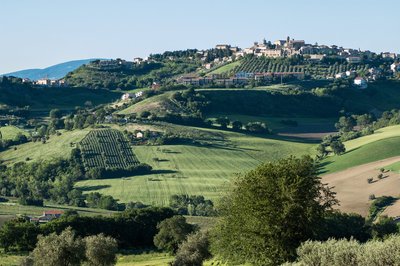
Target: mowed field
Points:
(56, 146)
(384, 143)
(9, 132)
(195, 169)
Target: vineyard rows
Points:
(257, 64)
(107, 148)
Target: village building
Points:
(340, 75)
(395, 67)
(388, 55)
(316, 57)
(361, 83)
(222, 46)
(273, 53)
(127, 96)
(156, 85)
(353, 59)
(43, 82)
(209, 66)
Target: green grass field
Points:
(384, 143)
(225, 68)
(371, 152)
(383, 133)
(195, 169)
(14, 208)
(9, 132)
(56, 146)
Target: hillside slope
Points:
(384, 143)
(52, 72)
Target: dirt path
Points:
(353, 190)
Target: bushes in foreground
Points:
(67, 249)
(350, 252)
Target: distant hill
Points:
(53, 72)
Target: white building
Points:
(354, 59)
(127, 96)
(395, 67)
(340, 75)
(361, 82)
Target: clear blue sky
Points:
(40, 33)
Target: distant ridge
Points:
(53, 72)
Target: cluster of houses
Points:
(129, 96)
(290, 47)
(240, 78)
(47, 216)
(46, 82)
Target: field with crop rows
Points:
(107, 148)
(257, 64)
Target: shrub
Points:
(100, 250)
(193, 251)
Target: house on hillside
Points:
(389, 56)
(43, 82)
(353, 59)
(361, 83)
(340, 75)
(156, 85)
(395, 67)
(127, 96)
(222, 46)
(139, 135)
(47, 216)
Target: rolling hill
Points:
(52, 72)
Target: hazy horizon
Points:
(38, 34)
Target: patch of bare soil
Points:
(353, 190)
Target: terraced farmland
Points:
(107, 148)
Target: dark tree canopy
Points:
(270, 211)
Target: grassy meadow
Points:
(194, 169)
(384, 143)
(56, 146)
(9, 132)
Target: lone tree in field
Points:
(270, 211)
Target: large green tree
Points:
(270, 211)
(172, 232)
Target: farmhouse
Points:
(47, 216)
(155, 85)
(127, 96)
(361, 83)
(139, 135)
